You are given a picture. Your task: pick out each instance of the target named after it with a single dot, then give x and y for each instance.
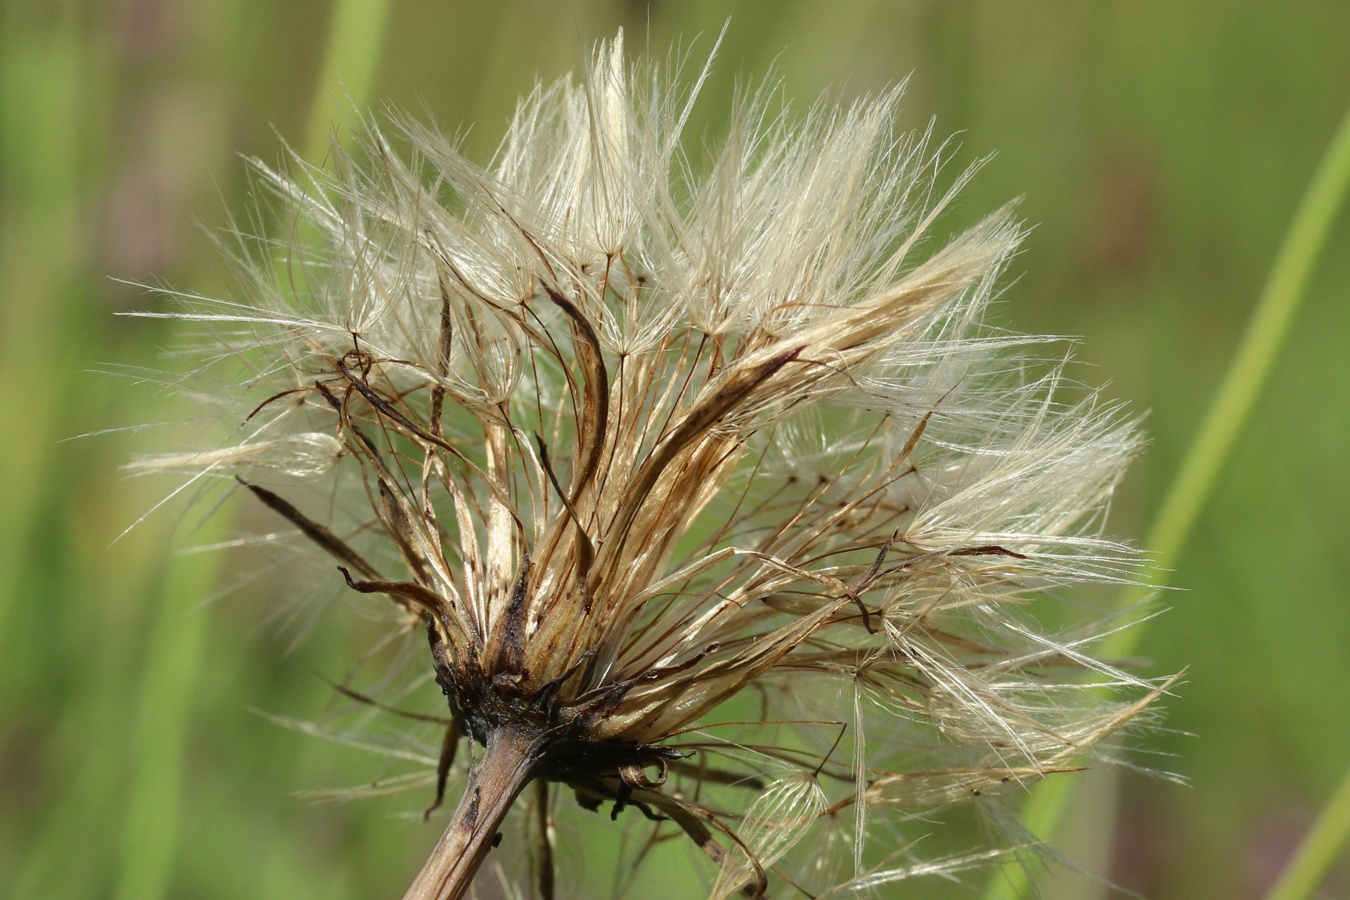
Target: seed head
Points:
(714, 493)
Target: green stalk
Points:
(43, 64)
(60, 860)
(168, 681)
(1228, 413)
(1319, 850)
(175, 651)
(355, 38)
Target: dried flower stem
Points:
(506, 767)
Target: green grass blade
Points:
(1228, 413)
(1247, 374)
(1319, 850)
(168, 682)
(174, 654)
(42, 65)
(355, 38)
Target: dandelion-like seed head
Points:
(638, 439)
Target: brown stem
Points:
(508, 764)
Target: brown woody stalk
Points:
(508, 763)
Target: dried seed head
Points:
(631, 443)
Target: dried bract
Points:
(636, 438)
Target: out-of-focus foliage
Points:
(1160, 147)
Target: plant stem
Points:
(157, 771)
(1228, 413)
(509, 762)
(1319, 849)
(352, 53)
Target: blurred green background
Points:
(1160, 148)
